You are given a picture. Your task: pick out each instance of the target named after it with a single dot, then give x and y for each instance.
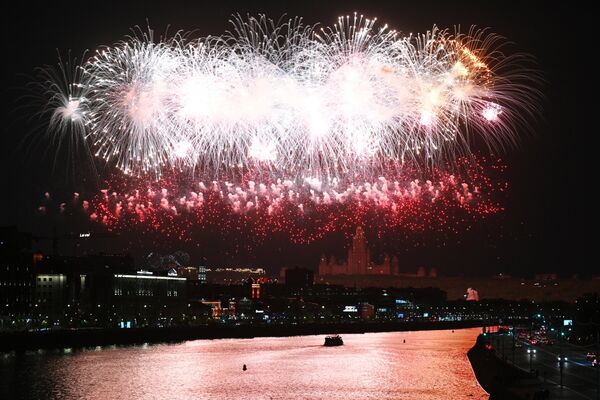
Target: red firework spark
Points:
(250, 213)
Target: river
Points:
(398, 365)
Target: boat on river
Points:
(335, 340)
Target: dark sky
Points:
(548, 196)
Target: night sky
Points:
(548, 195)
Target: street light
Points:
(561, 363)
(531, 352)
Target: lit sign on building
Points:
(350, 309)
(567, 322)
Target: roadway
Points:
(579, 378)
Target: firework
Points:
(252, 212)
(291, 100)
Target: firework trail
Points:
(292, 101)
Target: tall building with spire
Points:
(358, 261)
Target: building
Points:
(299, 277)
(17, 277)
(367, 311)
(76, 275)
(359, 261)
(215, 306)
(51, 298)
(201, 274)
(255, 291)
(147, 299)
(106, 290)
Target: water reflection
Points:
(430, 365)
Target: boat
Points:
(333, 340)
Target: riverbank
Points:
(503, 381)
(74, 338)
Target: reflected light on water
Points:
(430, 365)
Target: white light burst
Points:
(292, 99)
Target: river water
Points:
(430, 365)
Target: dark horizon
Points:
(538, 231)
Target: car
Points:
(518, 344)
(595, 363)
(591, 355)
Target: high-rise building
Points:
(359, 258)
(358, 261)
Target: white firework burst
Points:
(293, 99)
